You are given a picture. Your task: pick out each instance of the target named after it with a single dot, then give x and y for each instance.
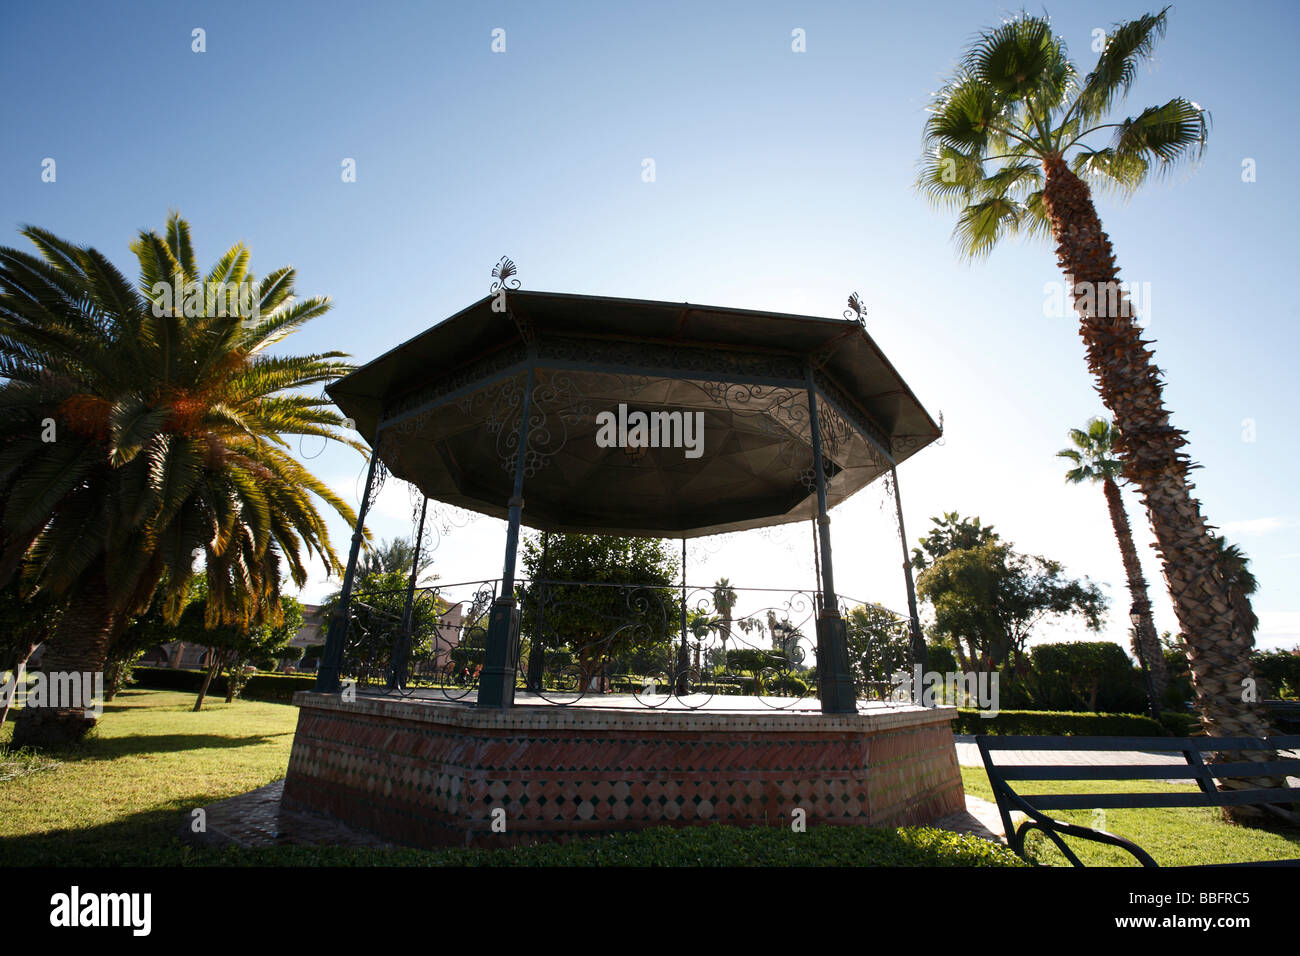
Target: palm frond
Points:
(1128, 45)
(1163, 135)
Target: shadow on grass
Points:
(108, 748)
(152, 838)
(148, 838)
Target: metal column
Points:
(497, 684)
(835, 682)
(327, 678)
(920, 657)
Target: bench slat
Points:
(1142, 801)
(1145, 771)
(1247, 768)
(1000, 742)
(1157, 744)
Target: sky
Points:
(783, 181)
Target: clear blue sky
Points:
(783, 182)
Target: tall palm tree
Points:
(1012, 142)
(143, 426)
(396, 555)
(1235, 568)
(1094, 460)
(724, 601)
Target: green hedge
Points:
(271, 687)
(1053, 723)
(1180, 723)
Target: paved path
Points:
(255, 819)
(968, 755)
(980, 818)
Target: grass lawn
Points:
(127, 787)
(119, 798)
(1185, 836)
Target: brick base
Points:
(430, 774)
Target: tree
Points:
(951, 532)
(1094, 460)
(233, 647)
(377, 608)
(1095, 675)
(24, 626)
(880, 645)
(1233, 564)
(1012, 143)
(396, 555)
(988, 599)
(724, 602)
(143, 427)
(1280, 671)
(633, 604)
(1180, 693)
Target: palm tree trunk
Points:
(1130, 386)
(80, 646)
(214, 668)
(1148, 639)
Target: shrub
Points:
(715, 845)
(278, 688)
(1083, 675)
(1049, 723)
(1280, 670)
(1179, 723)
(118, 670)
(941, 658)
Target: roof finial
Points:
(856, 310)
(504, 280)
(503, 274)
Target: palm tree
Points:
(396, 555)
(140, 428)
(724, 601)
(1235, 568)
(1094, 460)
(1012, 142)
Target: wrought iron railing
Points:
(653, 644)
(406, 640)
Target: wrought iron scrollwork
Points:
(447, 641)
(504, 276)
(504, 279)
(591, 641)
(856, 311)
(596, 639)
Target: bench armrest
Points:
(1009, 799)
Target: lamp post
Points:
(1136, 613)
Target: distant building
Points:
(188, 655)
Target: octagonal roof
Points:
(449, 399)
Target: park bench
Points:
(1037, 806)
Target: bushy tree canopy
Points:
(988, 599)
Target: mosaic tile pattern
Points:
(424, 778)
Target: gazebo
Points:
(598, 415)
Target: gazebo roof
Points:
(441, 397)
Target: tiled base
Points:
(428, 774)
